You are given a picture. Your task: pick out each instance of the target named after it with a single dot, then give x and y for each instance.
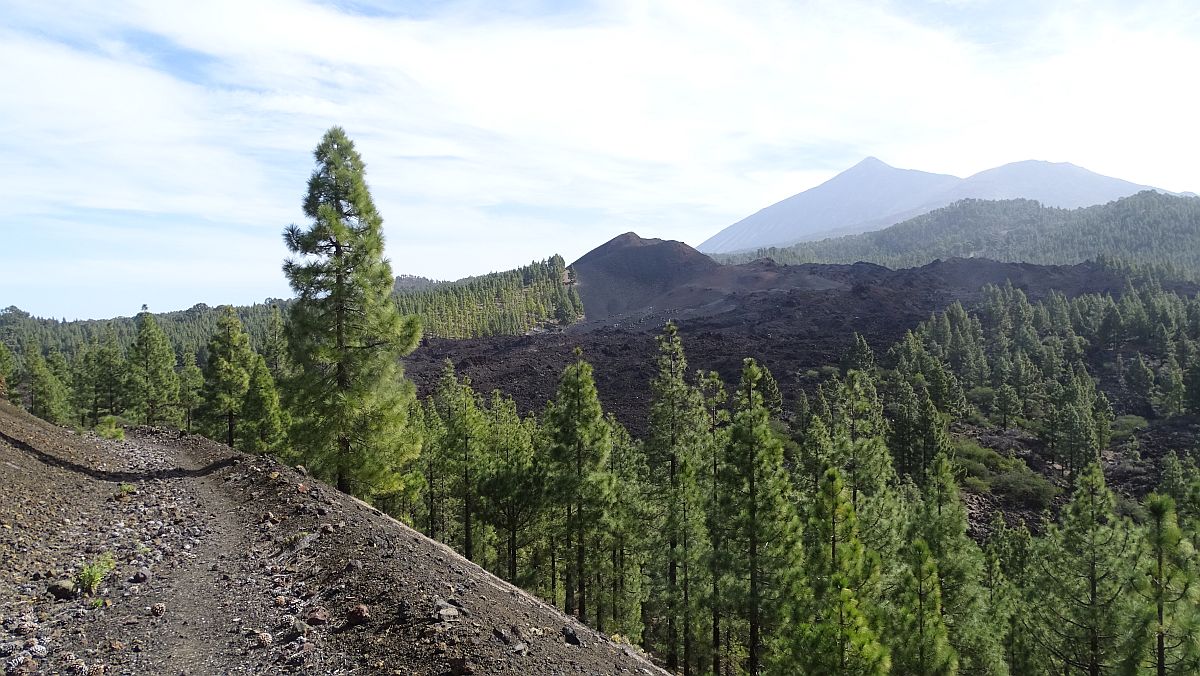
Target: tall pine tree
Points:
(345, 333)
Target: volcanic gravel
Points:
(229, 563)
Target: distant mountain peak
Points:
(871, 161)
(873, 195)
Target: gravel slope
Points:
(227, 563)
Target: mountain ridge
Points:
(872, 195)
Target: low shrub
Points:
(109, 429)
(90, 577)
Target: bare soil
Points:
(229, 563)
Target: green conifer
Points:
(226, 375)
(261, 427)
(345, 334)
(153, 382)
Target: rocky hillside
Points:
(789, 317)
(209, 561)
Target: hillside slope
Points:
(228, 563)
(1148, 227)
(872, 195)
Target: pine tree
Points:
(513, 488)
(712, 390)
(764, 528)
(464, 439)
(1168, 585)
(111, 376)
(226, 375)
(1085, 617)
(829, 631)
(8, 364)
(941, 521)
(859, 357)
(49, 398)
(261, 427)
(153, 381)
(677, 451)
(921, 646)
(1139, 379)
(1191, 382)
(345, 334)
(1008, 405)
(580, 442)
(275, 347)
(191, 385)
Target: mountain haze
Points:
(872, 195)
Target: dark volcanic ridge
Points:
(791, 318)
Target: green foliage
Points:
(537, 295)
(345, 334)
(925, 647)
(226, 376)
(49, 397)
(829, 629)
(1167, 586)
(677, 452)
(762, 522)
(8, 365)
(153, 381)
(1086, 618)
(109, 429)
(261, 427)
(92, 575)
(579, 441)
(191, 388)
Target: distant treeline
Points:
(1148, 228)
(501, 303)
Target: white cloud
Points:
(672, 118)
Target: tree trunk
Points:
(229, 416)
(468, 542)
(569, 569)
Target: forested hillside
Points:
(541, 294)
(501, 303)
(1147, 228)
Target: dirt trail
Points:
(227, 563)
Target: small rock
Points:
(317, 616)
(354, 565)
(571, 637)
(461, 666)
(302, 654)
(359, 614)
(301, 469)
(142, 576)
(300, 627)
(520, 649)
(158, 609)
(326, 528)
(62, 589)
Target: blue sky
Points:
(152, 152)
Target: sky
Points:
(152, 151)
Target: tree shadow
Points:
(117, 476)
